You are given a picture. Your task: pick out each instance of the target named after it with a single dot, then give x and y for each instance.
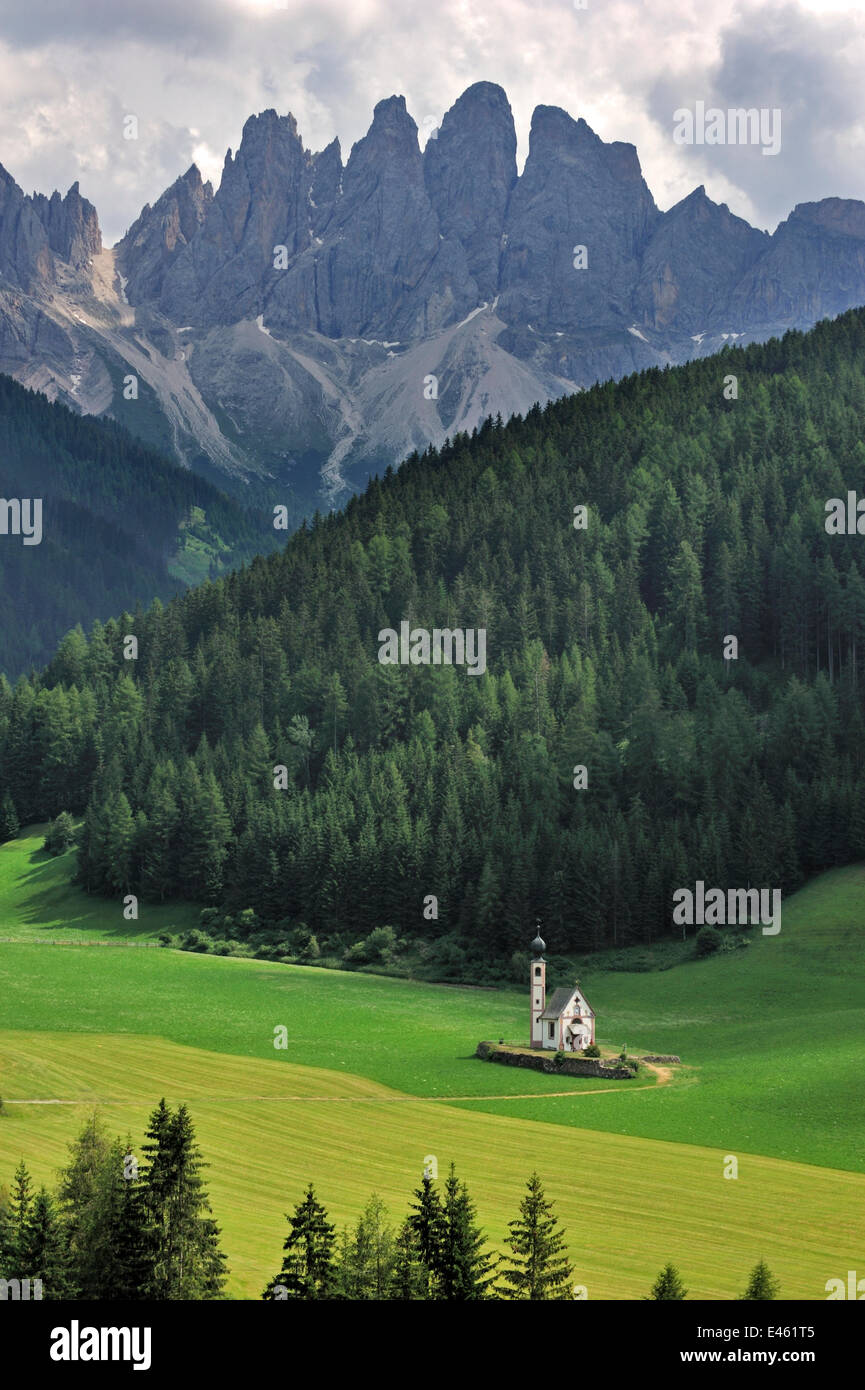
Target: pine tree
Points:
(187, 1260)
(20, 1203)
(539, 1267)
(15, 1217)
(308, 1265)
(9, 823)
(409, 1281)
(464, 1271)
(668, 1287)
(42, 1249)
(367, 1258)
(762, 1285)
(427, 1221)
(76, 1196)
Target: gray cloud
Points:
(193, 72)
(807, 66)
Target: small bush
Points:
(592, 1050)
(380, 945)
(708, 941)
(195, 940)
(61, 834)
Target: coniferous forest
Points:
(605, 650)
(120, 523)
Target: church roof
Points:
(559, 1001)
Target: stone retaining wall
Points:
(541, 1060)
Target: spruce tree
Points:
(308, 1266)
(367, 1258)
(9, 824)
(20, 1204)
(42, 1249)
(668, 1287)
(427, 1221)
(762, 1285)
(409, 1281)
(538, 1267)
(184, 1239)
(464, 1267)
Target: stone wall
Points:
(657, 1058)
(540, 1060)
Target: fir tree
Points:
(187, 1262)
(409, 1281)
(538, 1267)
(308, 1265)
(464, 1269)
(762, 1285)
(9, 824)
(427, 1221)
(668, 1286)
(42, 1251)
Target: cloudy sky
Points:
(191, 71)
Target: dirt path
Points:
(343, 1100)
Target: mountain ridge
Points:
(312, 320)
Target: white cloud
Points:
(192, 73)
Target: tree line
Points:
(258, 758)
(111, 1232)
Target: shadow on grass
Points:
(53, 904)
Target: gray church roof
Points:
(559, 1002)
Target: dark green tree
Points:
(9, 823)
(187, 1262)
(308, 1265)
(538, 1267)
(762, 1285)
(668, 1286)
(465, 1269)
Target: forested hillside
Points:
(120, 524)
(604, 646)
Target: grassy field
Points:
(38, 902)
(379, 1072)
(628, 1204)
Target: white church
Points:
(564, 1022)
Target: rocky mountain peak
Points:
(697, 254)
(72, 225)
(319, 301)
(160, 233)
(260, 205)
(469, 171)
(846, 216)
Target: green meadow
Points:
(379, 1072)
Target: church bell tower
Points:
(538, 988)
